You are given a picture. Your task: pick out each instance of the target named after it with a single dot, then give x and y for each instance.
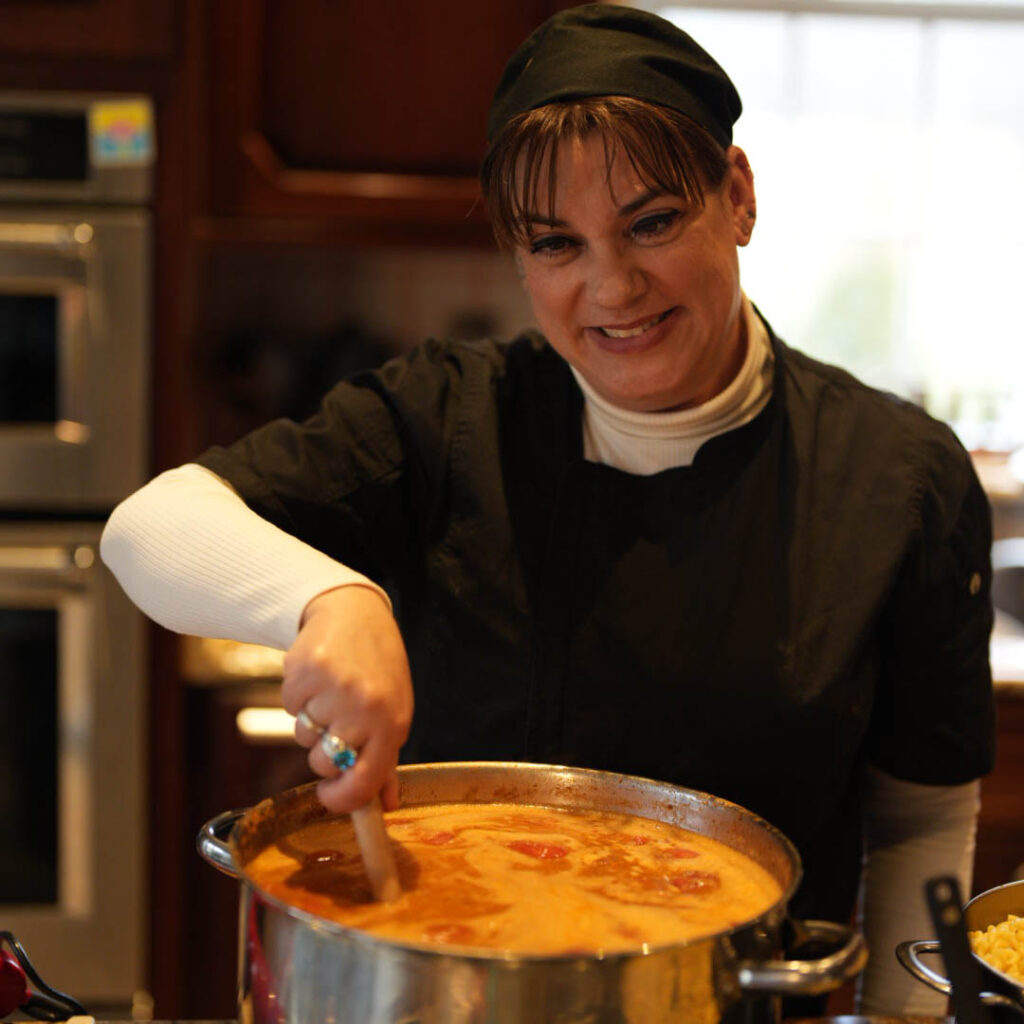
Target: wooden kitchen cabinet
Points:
(87, 28)
(371, 115)
(1000, 849)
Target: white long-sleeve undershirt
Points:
(912, 833)
(196, 559)
(190, 553)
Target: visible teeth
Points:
(633, 331)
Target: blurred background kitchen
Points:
(305, 205)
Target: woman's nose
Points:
(617, 281)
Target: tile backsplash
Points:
(280, 325)
(401, 295)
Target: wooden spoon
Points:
(378, 856)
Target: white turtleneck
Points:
(192, 555)
(649, 442)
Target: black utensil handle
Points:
(943, 896)
(47, 1003)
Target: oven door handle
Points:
(59, 237)
(46, 562)
(60, 252)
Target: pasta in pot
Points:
(525, 879)
(1002, 946)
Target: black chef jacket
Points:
(810, 594)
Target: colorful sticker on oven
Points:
(121, 132)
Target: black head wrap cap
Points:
(605, 50)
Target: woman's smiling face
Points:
(639, 290)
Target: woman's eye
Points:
(551, 245)
(654, 224)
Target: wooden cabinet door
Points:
(87, 28)
(1000, 846)
(356, 109)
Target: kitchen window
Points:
(887, 142)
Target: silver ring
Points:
(303, 719)
(341, 755)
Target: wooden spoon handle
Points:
(378, 856)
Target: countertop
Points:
(850, 1019)
(206, 662)
(1007, 658)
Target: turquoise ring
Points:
(340, 754)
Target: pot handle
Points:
(211, 845)
(908, 954)
(808, 977)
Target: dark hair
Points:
(668, 151)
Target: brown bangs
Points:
(668, 151)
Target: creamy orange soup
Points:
(534, 880)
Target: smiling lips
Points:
(635, 331)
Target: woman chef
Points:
(649, 538)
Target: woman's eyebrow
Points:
(641, 201)
(624, 211)
(544, 220)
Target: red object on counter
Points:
(13, 986)
(16, 971)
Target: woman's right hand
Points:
(349, 670)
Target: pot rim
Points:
(778, 909)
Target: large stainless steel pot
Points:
(987, 908)
(297, 967)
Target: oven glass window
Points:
(28, 755)
(28, 358)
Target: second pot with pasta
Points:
(1000, 951)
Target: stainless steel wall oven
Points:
(75, 187)
(74, 287)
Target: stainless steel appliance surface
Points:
(294, 966)
(75, 186)
(75, 178)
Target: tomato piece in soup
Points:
(541, 851)
(697, 881)
(439, 838)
